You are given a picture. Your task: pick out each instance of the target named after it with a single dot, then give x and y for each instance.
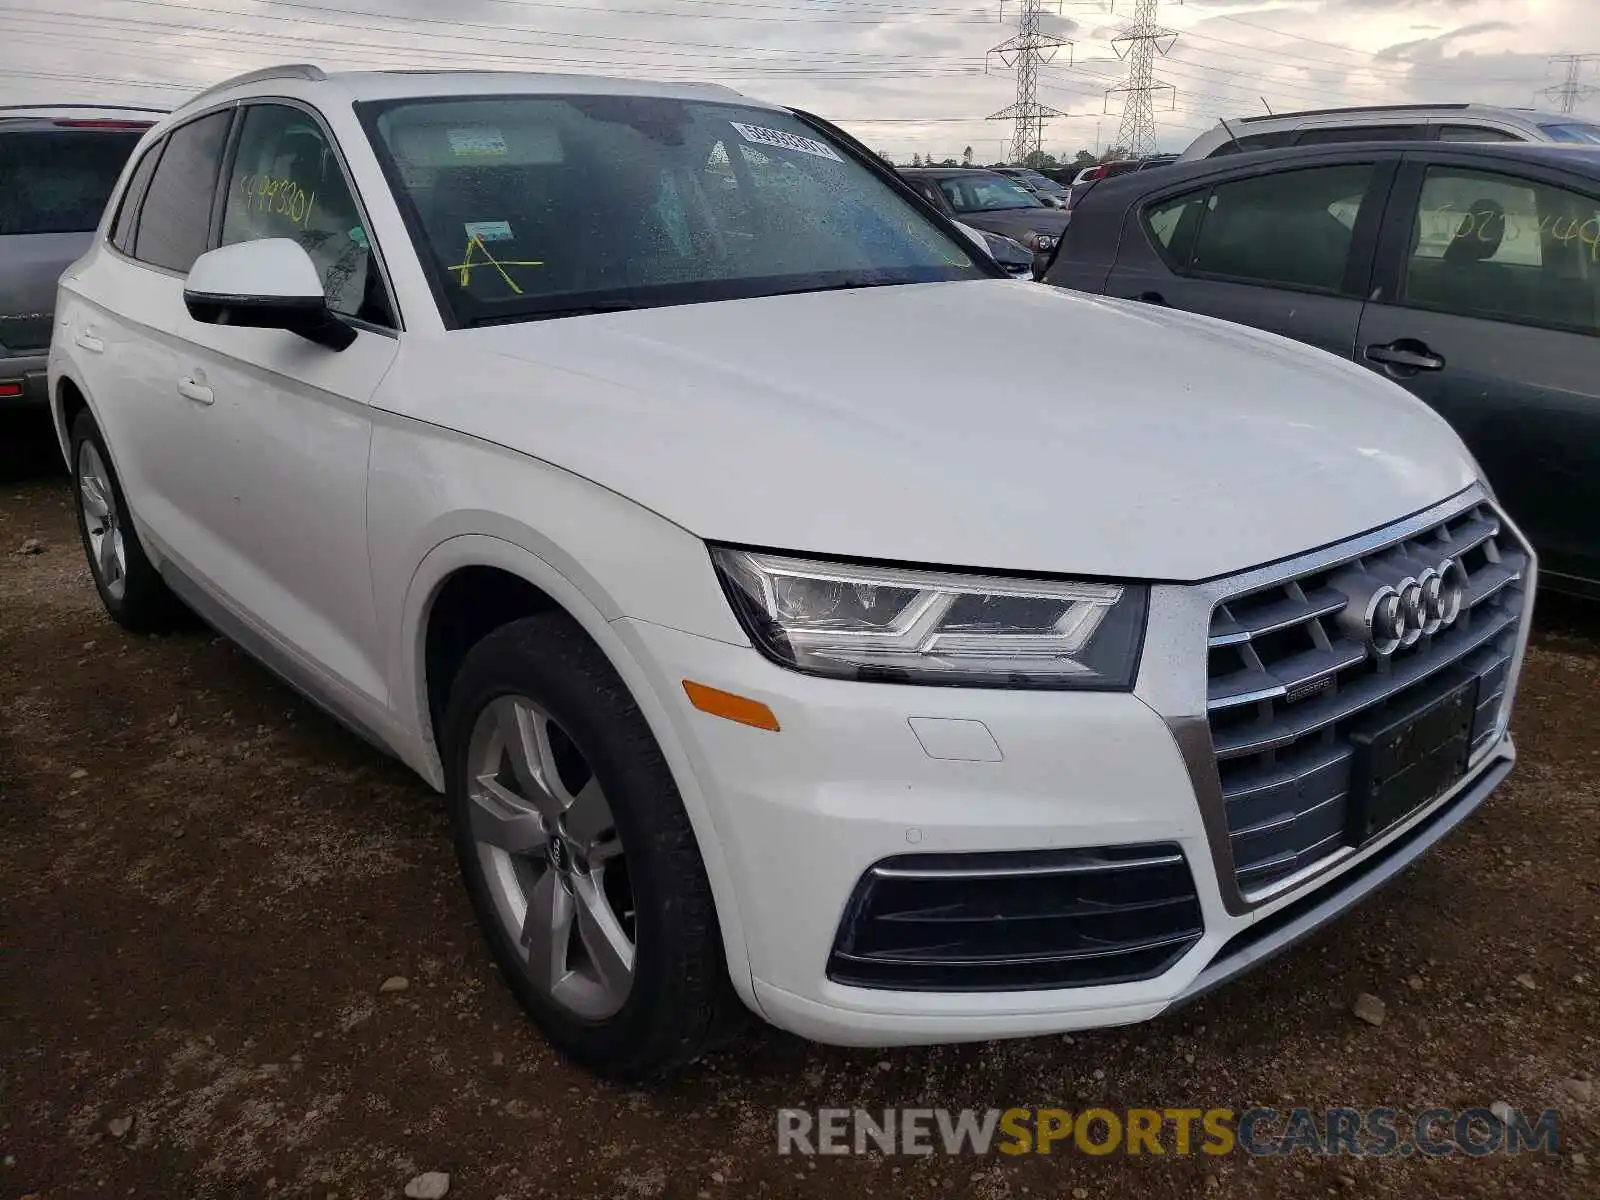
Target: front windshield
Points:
(528, 206)
(972, 193)
(1588, 135)
(1042, 183)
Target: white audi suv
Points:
(614, 455)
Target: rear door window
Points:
(58, 180)
(1475, 133)
(1505, 248)
(1254, 141)
(175, 218)
(1360, 133)
(1289, 228)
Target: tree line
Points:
(1036, 160)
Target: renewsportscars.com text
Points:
(1373, 1133)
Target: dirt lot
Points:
(203, 885)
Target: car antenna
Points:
(1232, 137)
(1268, 107)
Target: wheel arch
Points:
(472, 567)
(67, 400)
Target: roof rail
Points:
(1323, 112)
(285, 71)
(148, 108)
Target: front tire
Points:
(578, 856)
(130, 587)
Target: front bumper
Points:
(802, 814)
(860, 773)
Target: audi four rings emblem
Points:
(1390, 616)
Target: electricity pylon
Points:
(1573, 88)
(1025, 52)
(1140, 44)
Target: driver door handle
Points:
(1406, 353)
(198, 392)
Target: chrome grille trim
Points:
(1184, 617)
(1284, 696)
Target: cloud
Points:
(1433, 47)
(905, 75)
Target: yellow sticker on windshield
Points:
(465, 267)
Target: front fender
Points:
(482, 550)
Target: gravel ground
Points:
(204, 886)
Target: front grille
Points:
(28, 333)
(1288, 685)
(1018, 920)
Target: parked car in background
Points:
(1391, 122)
(1469, 273)
(1090, 176)
(985, 199)
(1042, 186)
(58, 164)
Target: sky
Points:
(906, 76)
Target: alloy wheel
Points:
(108, 555)
(551, 857)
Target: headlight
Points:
(893, 625)
(1042, 243)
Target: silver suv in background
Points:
(58, 165)
(1391, 122)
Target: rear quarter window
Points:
(1172, 224)
(58, 180)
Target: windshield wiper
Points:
(588, 308)
(846, 286)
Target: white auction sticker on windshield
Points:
(477, 143)
(785, 141)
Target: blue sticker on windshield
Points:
(489, 231)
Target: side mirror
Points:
(976, 238)
(268, 284)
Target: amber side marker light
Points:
(733, 708)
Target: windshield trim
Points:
(368, 112)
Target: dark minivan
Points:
(1468, 273)
(58, 164)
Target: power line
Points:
(1572, 89)
(1140, 44)
(1025, 52)
(497, 34)
(495, 51)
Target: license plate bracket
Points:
(1410, 755)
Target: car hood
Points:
(979, 424)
